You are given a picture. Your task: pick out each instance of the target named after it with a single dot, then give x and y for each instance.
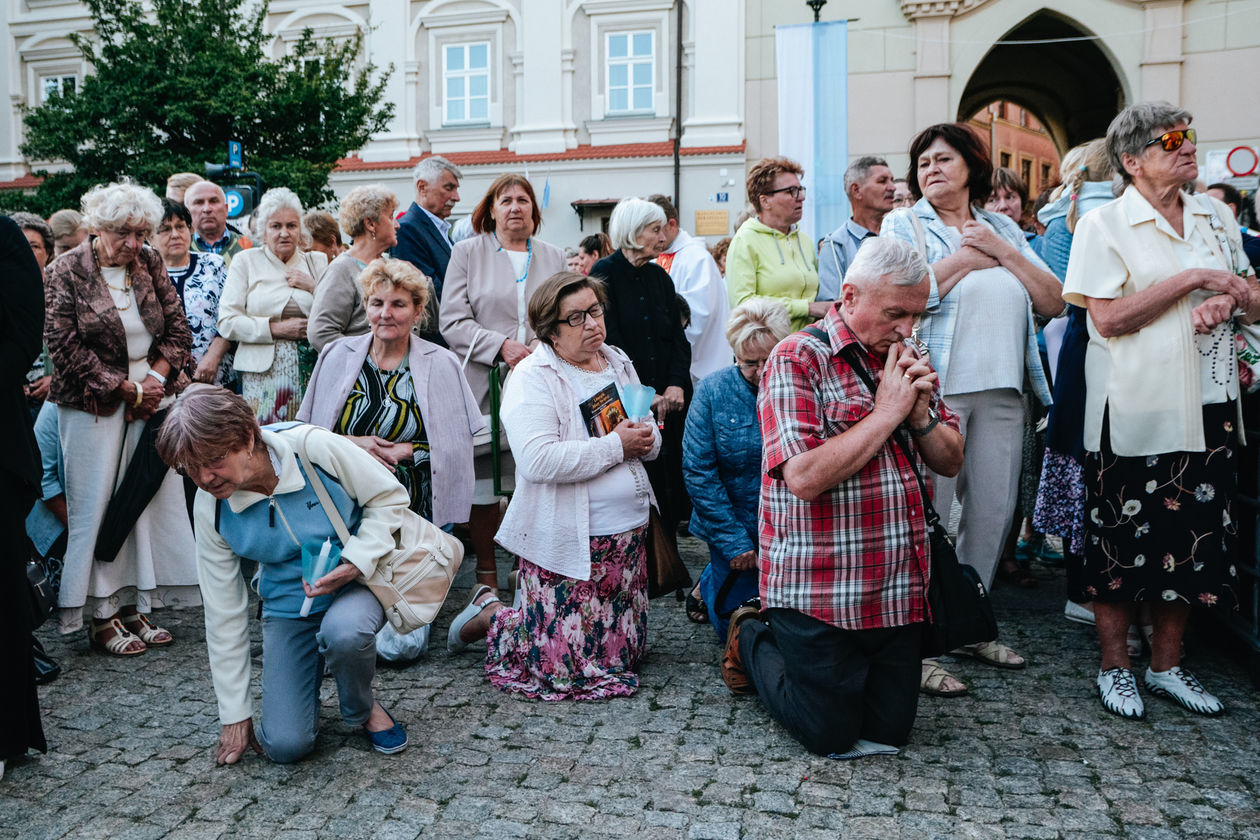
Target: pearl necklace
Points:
(599, 359)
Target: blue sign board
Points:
(235, 158)
(722, 198)
(235, 201)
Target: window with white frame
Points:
(631, 72)
(466, 83)
(62, 84)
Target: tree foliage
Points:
(174, 80)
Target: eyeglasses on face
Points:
(796, 191)
(750, 364)
(577, 319)
(1171, 141)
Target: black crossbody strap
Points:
(855, 362)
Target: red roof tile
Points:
(625, 150)
(23, 183)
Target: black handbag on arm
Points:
(959, 610)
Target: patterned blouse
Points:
(383, 403)
(199, 286)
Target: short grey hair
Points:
(629, 218)
(432, 167)
(1133, 128)
(204, 422)
(111, 206)
(756, 320)
(860, 170)
(278, 198)
(886, 256)
(29, 221)
(362, 203)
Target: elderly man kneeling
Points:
(844, 543)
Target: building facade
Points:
(1073, 65)
(584, 95)
(588, 96)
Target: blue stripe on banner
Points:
(831, 126)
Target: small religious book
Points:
(602, 411)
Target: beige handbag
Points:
(412, 581)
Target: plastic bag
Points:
(395, 647)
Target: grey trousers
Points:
(988, 483)
(294, 653)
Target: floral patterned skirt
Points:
(1060, 506)
(1160, 527)
(275, 394)
(576, 639)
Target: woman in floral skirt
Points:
(1160, 273)
(578, 519)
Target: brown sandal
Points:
(112, 638)
(148, 632)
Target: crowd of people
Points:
(205, 396)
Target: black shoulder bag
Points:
(959, 610)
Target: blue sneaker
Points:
(389, 741)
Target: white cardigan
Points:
(548, 522)
(255, 294)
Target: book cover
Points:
(602, 411)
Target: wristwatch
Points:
(934, 417)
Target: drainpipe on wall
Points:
(678, 90)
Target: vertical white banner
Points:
(811, 62)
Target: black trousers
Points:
(829, 687)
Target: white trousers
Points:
(987, 486)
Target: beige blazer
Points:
(478, 308)
(255, 294)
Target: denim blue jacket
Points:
(722, 462)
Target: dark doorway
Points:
(1070, 85)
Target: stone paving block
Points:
(713, 831)
(1026, 755)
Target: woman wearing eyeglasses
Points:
(988, 288)
(1164, 278)
(579, 516)
(767, 257)
(722, 462)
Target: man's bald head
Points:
(208, 205)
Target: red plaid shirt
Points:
(857, 556)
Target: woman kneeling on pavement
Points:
(257, 502)
(578, 520)
(722, 460)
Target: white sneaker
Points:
(1119, 695)
(1181, 686)
(1073, 611)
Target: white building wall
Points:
(548, 93)
(911, 60)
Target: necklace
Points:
(125, 290)
(529, 255)
(376, 357)
(599, 361)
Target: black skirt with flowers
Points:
(1161, 527)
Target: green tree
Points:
(174, 80)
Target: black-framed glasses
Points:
(577, 319)
(750, 364)
(796, 190)
(1171, 141)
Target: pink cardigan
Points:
(447, 407)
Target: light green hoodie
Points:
(763, 262)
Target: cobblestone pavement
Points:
(1027, 754)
